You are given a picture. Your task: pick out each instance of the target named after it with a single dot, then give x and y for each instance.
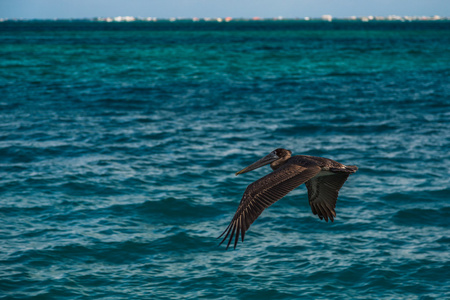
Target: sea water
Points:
(119, 143)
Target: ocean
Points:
(119, 143)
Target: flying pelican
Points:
(323, 178)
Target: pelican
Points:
(323, 178)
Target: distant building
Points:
(328, 18)
(124, 19)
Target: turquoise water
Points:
(119, 143)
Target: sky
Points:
(49, 9)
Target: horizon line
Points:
(229, 19)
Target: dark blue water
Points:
(119, 143)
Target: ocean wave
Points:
(420, 217)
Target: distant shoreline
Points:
(324, 18)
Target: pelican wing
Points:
(263, 193)
(323, 192)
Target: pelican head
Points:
(278, 155)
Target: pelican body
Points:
(323, 178)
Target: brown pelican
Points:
(323, 178)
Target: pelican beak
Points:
(260, 163)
